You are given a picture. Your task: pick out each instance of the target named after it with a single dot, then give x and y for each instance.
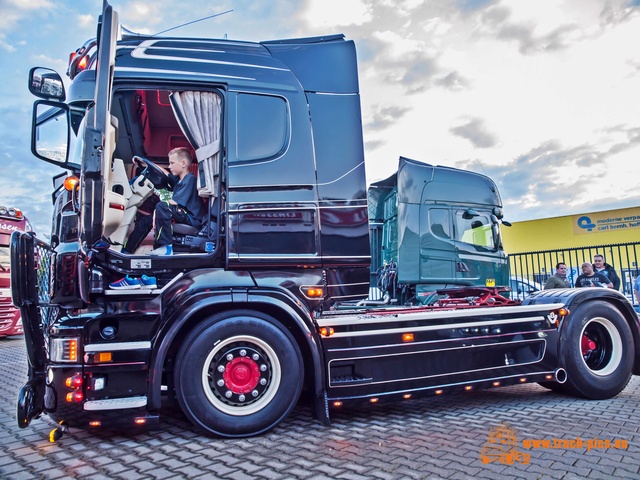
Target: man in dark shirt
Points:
(600, 266)
(184, 207)
(589, 278)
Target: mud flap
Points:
(30, 402)
(321, 409)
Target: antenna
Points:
(189, 23)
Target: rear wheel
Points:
(598, 351)
(238, 374)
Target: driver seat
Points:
(189, 238)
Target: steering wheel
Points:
(153, 173)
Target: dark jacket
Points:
(611, 275)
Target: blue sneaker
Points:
(148, 282)
(126, 283)
(163, 250)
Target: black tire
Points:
(599, 366)
(238, 374)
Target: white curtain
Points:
(198, 114)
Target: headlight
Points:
(64, 349)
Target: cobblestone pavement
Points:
(439, 437)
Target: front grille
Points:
(7, 314)
(43, 258)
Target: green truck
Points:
(434, 228)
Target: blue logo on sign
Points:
(585, 222)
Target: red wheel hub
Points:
(588, 345)
(241, 375)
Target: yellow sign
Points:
(611, 221)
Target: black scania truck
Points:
(242, 320)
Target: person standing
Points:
(600, 266)
(559, 279)
(589, 278)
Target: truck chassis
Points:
(238, 359)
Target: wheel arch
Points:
(572, 298)
(204, 305)
(630, 316)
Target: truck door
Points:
(479, 258)
(99, 135)
(437, 245)
(272, 200)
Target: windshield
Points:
(479, 230)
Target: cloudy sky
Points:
(542, 96)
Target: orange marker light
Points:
(313, 292)
(104, 357)
(73, 350)
(407, 337)
(74, 397)
(326, 331)
(74, 381)
(71, 182)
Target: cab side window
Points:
(262, 127)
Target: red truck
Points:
(11, 220)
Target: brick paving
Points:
(435, 438)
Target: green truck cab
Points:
(432, 228)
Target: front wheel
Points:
(238, 374)
(598, 351)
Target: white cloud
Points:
(336, 13)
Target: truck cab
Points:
(439, 227)
(277, 143)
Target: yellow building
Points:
(573, 231)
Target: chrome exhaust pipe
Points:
(560, 375)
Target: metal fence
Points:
(539, 266)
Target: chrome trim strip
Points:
(115, 403)
(116, 347)
(429, 328)
(544, 350)
(403, 316)
(251, 256)
(179, 72)
(479, 336)
(448, 385)
(139, 52)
